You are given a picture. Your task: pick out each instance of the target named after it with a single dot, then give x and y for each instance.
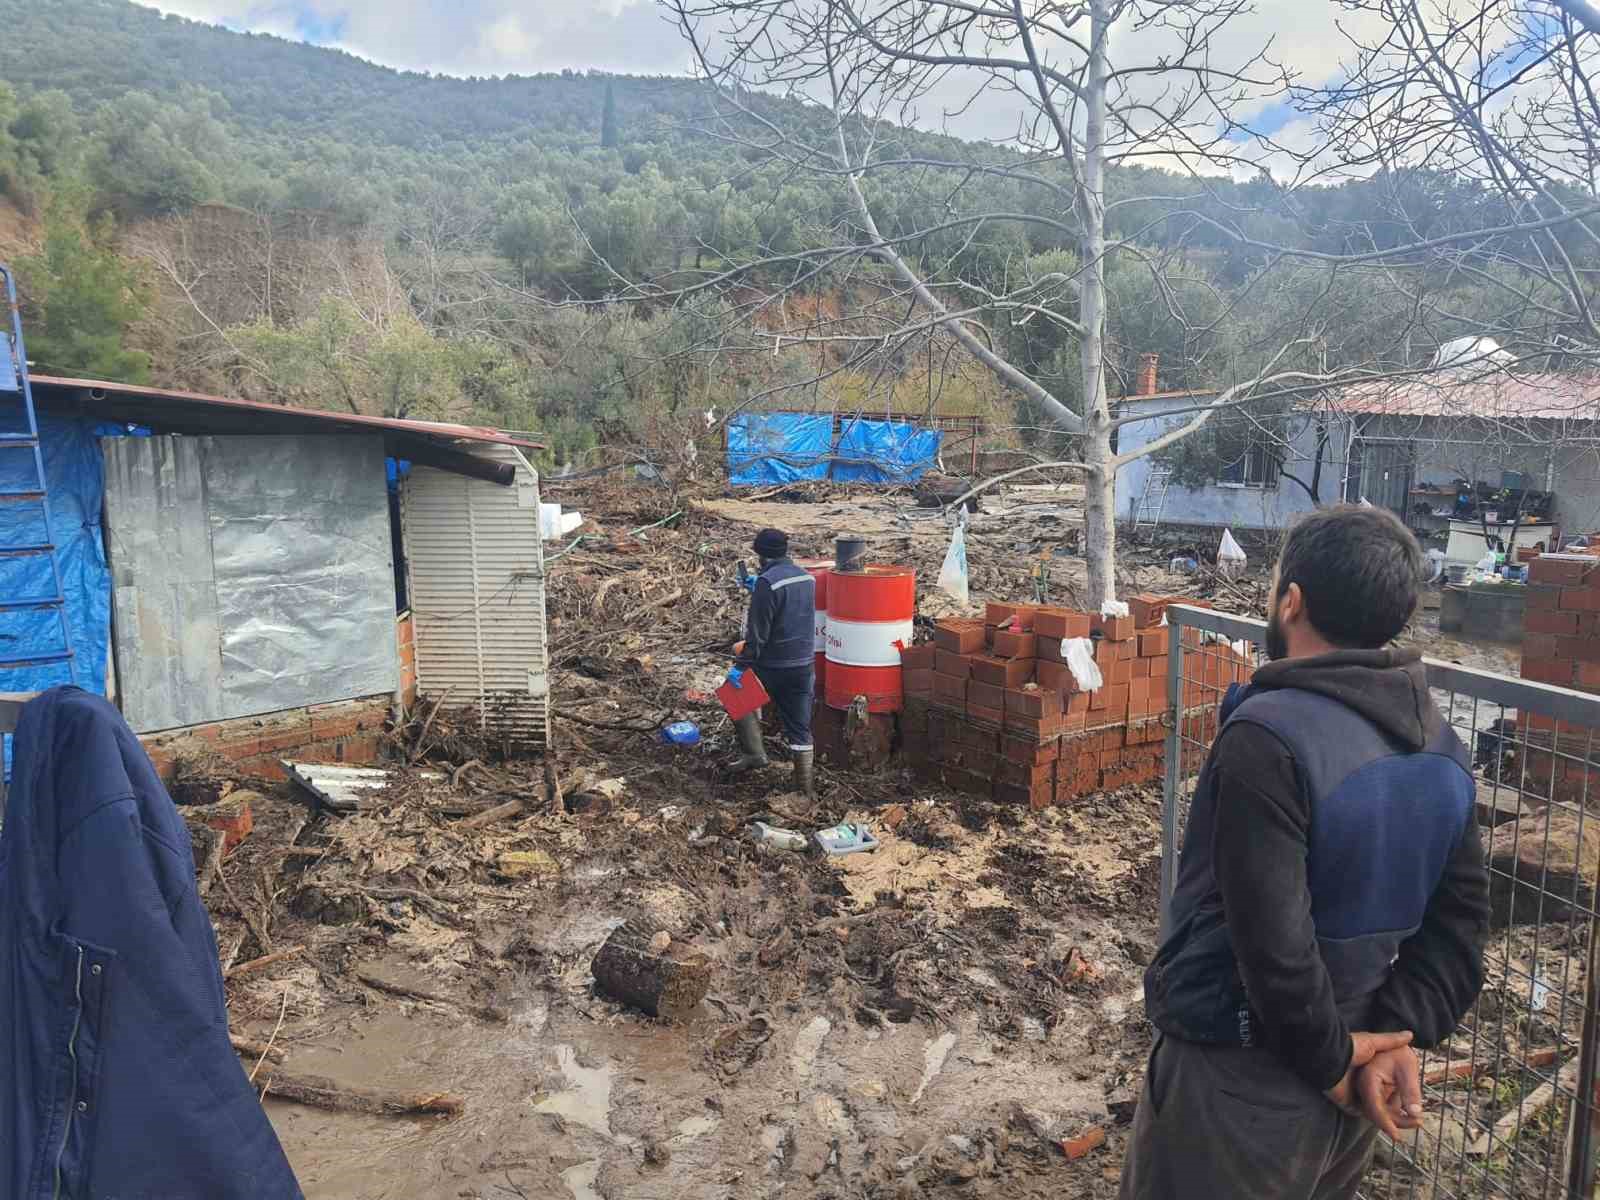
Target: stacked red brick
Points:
(1561, 645)
(993, 709)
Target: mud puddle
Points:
(569, 1107)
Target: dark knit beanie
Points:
(772, 543)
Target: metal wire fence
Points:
(1511, 1096)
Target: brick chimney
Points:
(1148, 365)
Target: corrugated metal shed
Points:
(476, 567)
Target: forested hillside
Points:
(247, 214)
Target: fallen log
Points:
(262, 963)
(316, 1091)
(670, 984)
(256, 1050)
(1520, 1116)
(490, 815)
(487, 1012)
(619, 726)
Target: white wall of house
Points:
(1241, 507)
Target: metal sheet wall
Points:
(476, 566)
(250, 575)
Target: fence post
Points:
(1581, 1127)
(1169, 788)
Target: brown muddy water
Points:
(565, 1107)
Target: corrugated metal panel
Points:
(250, 575)
(136, 403)
(346, 789)
(476, 566)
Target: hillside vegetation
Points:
(247, 214)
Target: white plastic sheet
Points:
(555, 524)
(1080, 661)
(953, 577)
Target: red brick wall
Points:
(1561, 646)
(349, 731)
(1052, 743)
(406, 638)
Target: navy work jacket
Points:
(120, 1081)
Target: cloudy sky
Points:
(496, 37)
(466, 37)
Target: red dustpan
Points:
(742, 701)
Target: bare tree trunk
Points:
(1100, 518)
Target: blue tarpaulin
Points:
(777, 448)
(75, 477)
(885, 452)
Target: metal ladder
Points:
(1154, 501)
(16, 393)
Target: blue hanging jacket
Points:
(121, 1082)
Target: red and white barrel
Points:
(820, 569)
(870, 618)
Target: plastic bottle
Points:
(779, 839)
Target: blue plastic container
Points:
(681, 733)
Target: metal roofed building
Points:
(276, 580)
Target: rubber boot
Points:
(752, 748)
(805, 777)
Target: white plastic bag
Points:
(1435, 565)
(1080, 661)
(1230, 557)
(953, 578)
(1113, 609)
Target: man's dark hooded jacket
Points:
(1332, 877)
(120, 1082)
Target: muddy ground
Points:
(930, 1020)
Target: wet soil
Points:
(927, 1020)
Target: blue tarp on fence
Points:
(75, 477)
(768, 449)
(776, 448)
(885, 452)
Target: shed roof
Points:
(1497, 396)
(195, 413)
(1185, 394)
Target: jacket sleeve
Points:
(758, 629)
(1439, 970)
(1259, 855)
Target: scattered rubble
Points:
(624, 995)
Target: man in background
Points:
(779, 647)
(1332, 901)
